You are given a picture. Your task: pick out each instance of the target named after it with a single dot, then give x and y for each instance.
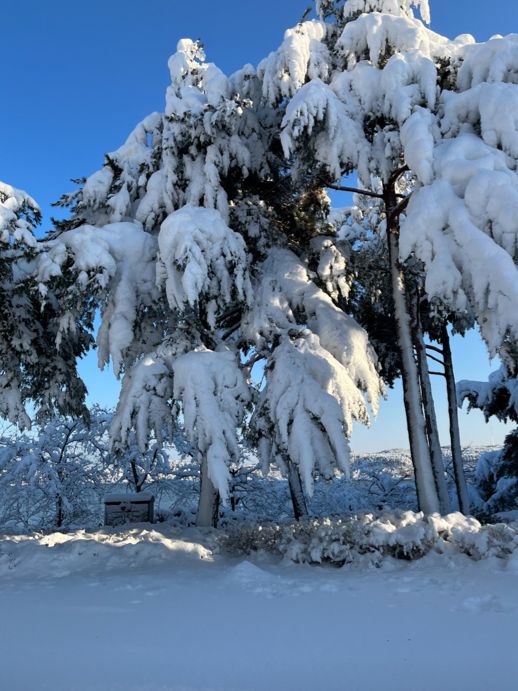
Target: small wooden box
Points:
(121, 509)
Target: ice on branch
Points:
(201, 256)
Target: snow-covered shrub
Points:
(369, 538)
(342, 541)
(468, 536)
(404, 535)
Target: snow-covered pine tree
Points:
(161, 262)
(192, 241)
(370, 89)
(37, 361)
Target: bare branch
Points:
(435, 359)
(355, 190)
(306, 12)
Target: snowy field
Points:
(146, 611)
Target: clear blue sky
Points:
(77, 77)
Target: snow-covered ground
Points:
(152, 610)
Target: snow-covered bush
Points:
(370, 538)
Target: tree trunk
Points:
(456, 451)
(60, 514)
(427, 497)
(136, 481)
(431, 421)
(300, 508)
(59, 511)
(208, 506)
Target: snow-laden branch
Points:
(288, 300)
(202, 258)
(305, 412)
(202, 391)
(498, 396)
(462, 226)
(117, 260)
(18, 215)
(213, 394)
(301, 56)
(316, 376)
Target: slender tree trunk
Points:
(431, 421)
(300, 508)
(60, 514)
(208, 506)
(136, 480)
(456, 451)
(427, 497)
(59, 511)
